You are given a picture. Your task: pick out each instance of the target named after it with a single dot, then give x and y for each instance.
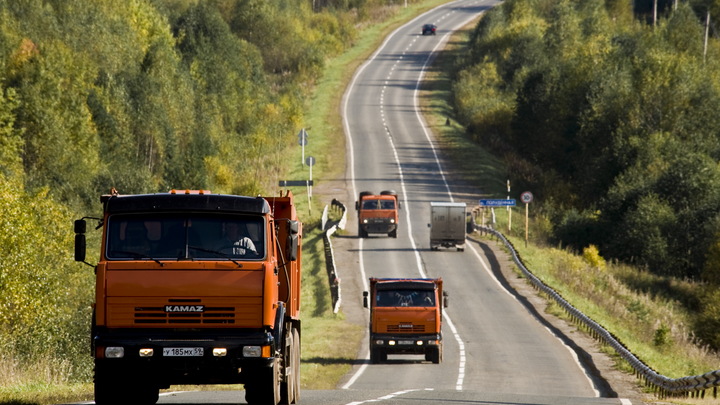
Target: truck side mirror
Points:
(365, 299)
(293, 229)
(80, 227)
(80, 247)
(445, 299)
(357, 205)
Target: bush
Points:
(45, 297)
(593, 258)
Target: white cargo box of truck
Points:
(448, 225)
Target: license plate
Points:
(406, 342)
(182, 351)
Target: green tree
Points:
(61, 148)
(10, 137)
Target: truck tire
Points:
(111, 389)
(377, 355)
(296, 379)
(286, 386)
(435, 355)
(361, 232)
(290, 387)
(393, 233)
(264, 389)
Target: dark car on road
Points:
(429, 29)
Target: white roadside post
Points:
(302, 141)
(527, 198)
(310, 161)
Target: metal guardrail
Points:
(692, 386)
(329, 228)
(663, 386)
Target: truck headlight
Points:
(252, 351)
(392, 220)
(146, 352)
(114, 352)
(219, 352)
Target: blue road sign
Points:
(296, 183)
(497, 203)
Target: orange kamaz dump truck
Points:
(405, 317)
(377, 213)
(195, 288)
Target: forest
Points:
(143, 96)
(610, 116)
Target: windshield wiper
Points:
(137, 256)
(215, 252)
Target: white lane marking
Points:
(389, 396)
(348, 132)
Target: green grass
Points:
(620, 298)
(329, 343)
(324, 122)
(38, 393)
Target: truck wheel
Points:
(296, 366)
(362, 233)
(435, 355)
(290, 387)
(393, 234)
(116, 391)
(265, 387)
(286, 386)
(377, 355)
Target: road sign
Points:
(302, 141)
(295, 183)
(526, 197)
(498, 203)
(310, 161)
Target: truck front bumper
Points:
(217, 357)
(378, 225)
(407, 344)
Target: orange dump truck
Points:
(377, 213)
(405, 317)
(195, 288)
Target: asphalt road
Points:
(497, 350)
(494, 344)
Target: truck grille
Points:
(157, 315)
(406, 328)
(188, 312)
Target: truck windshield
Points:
(185, 236)
(378, 204)
(405, 298)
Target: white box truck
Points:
(448, 225)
